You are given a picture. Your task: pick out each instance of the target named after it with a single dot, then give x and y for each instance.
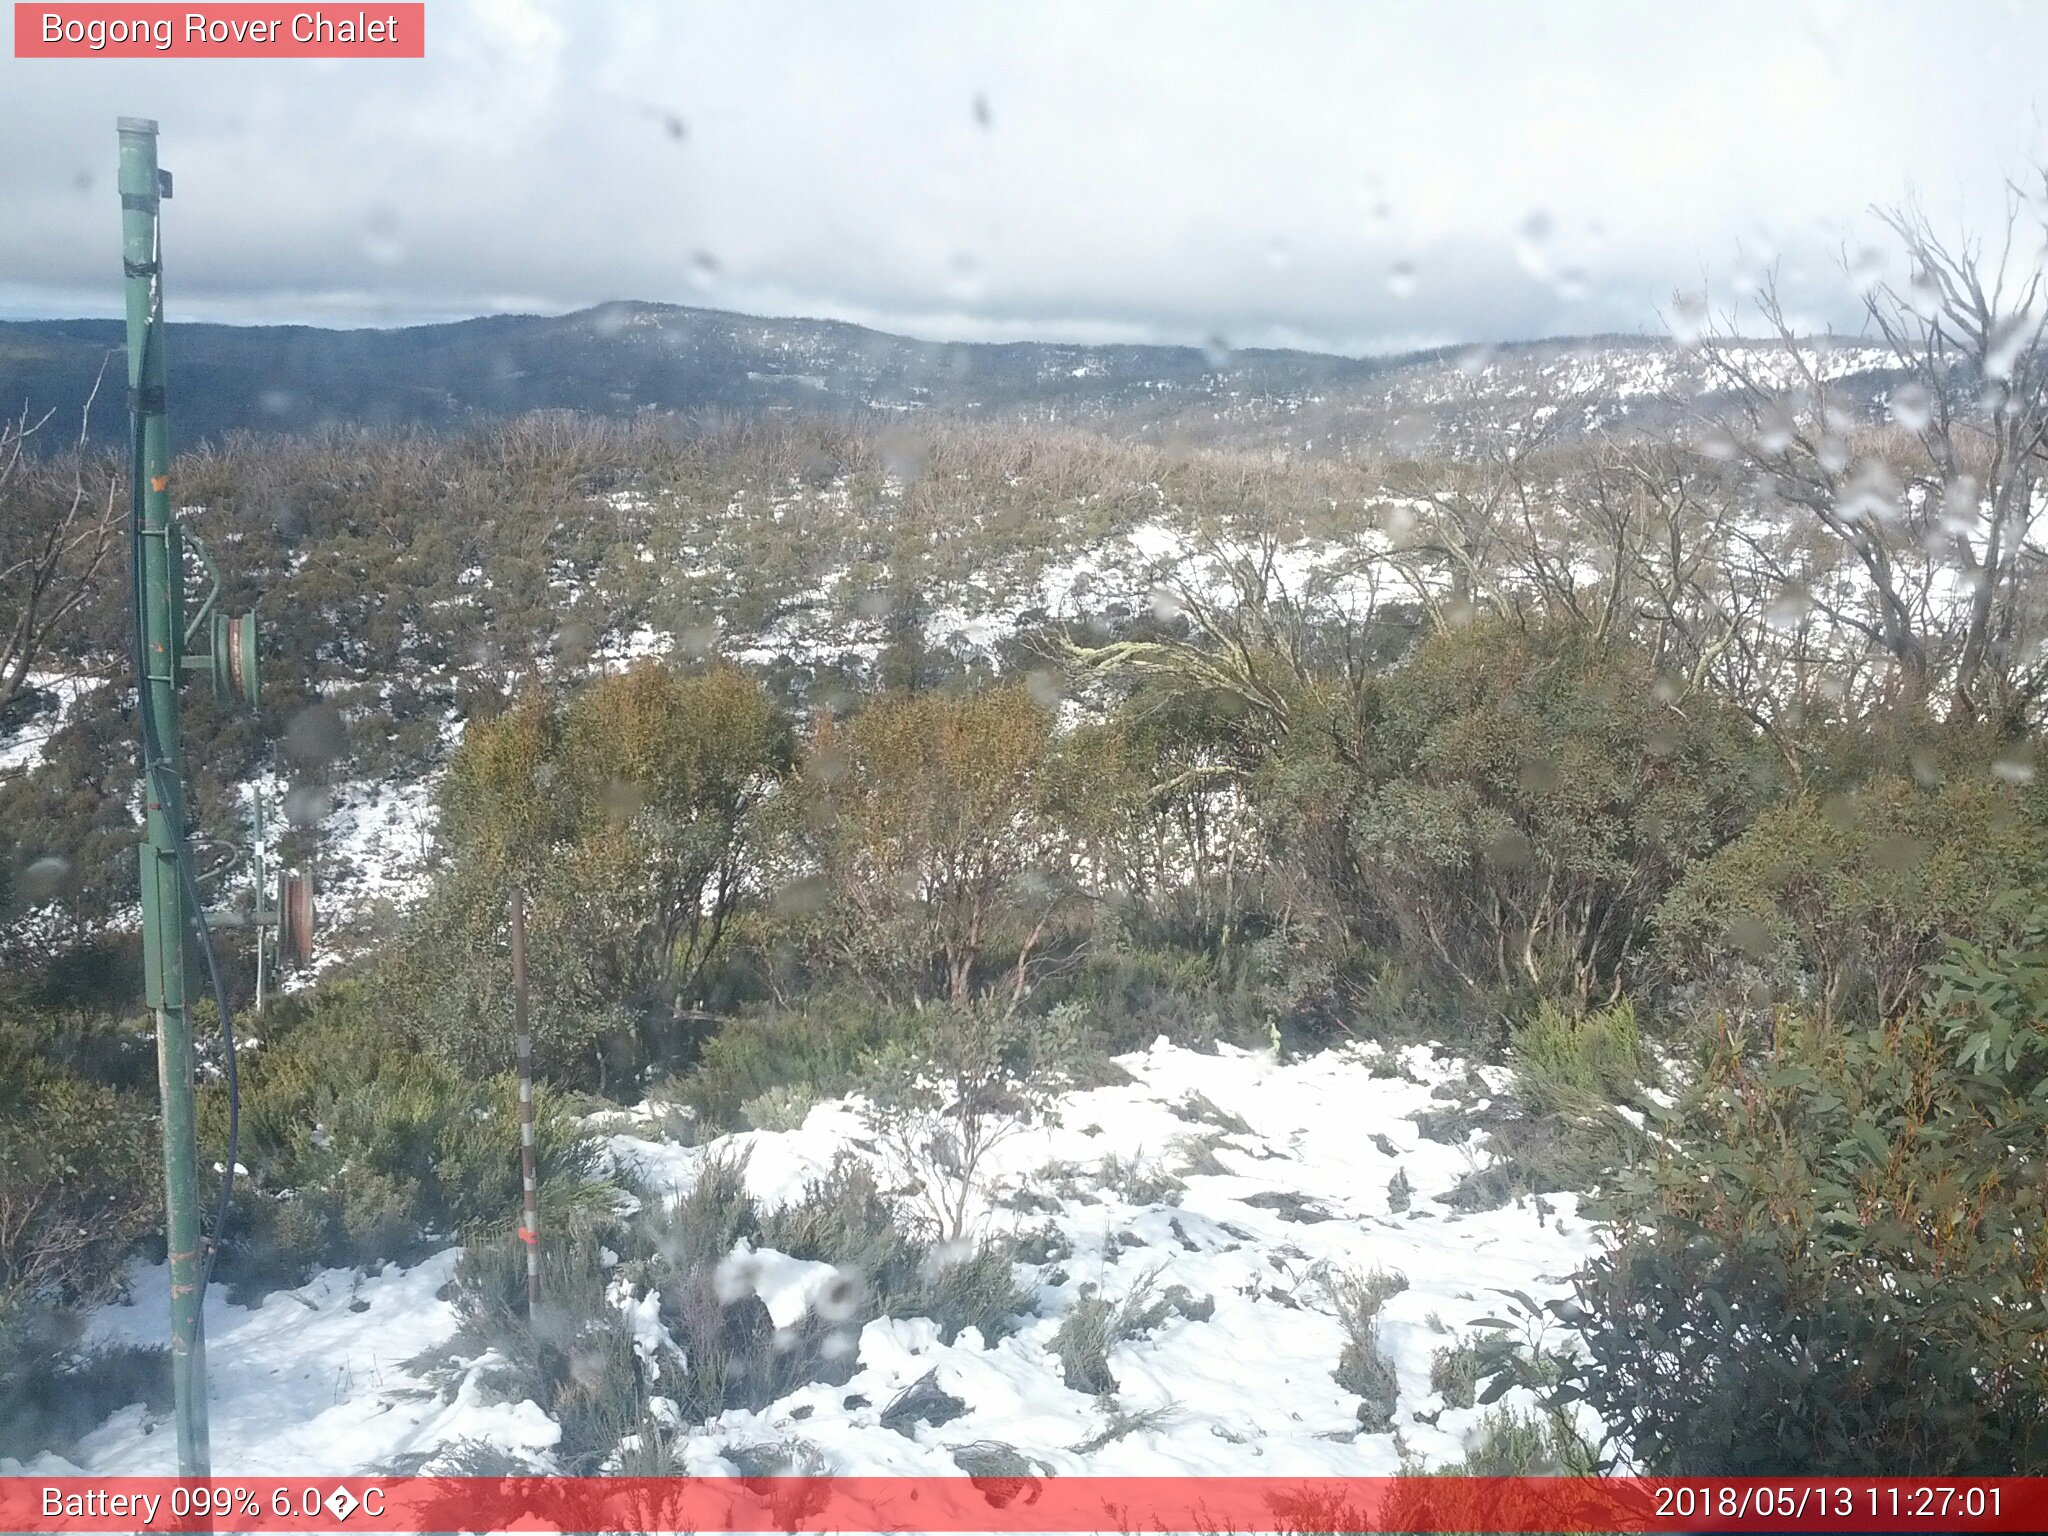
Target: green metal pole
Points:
(159, 589)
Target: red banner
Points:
(239, 31)
(997, 1504)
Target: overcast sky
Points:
(1353, 176)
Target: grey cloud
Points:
(1141, 172)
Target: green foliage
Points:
(971, 1286)
(1992, 1002)
(362, 1148)
(1843, 1212)
(577, 1357)
(1399, 1191)
(1363, 1367)
(1506, 809)
(629, 814)
(845, 1220)
(1454, 1373)
(970, 1078)
(52, 1391)
(1560, 1126)
(821, 1045)
(781, 1108)
(1126, 995)
(928, 819)
(67, 834)
(1512, 1443)
(1839, 905)
(1570, 1063)
(79, 1166)
(1144, 795)
(80, 1187)
(1095, 1325)
(574, 1355)
(1139, 1180)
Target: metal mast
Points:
(163, 641)
(158, 576)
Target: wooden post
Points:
(529, 1230)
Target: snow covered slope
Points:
(1300, 1155)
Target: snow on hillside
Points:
(323, 1378)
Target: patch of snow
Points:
(306, 1382)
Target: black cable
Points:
(153, 769)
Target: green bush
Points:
(1837, 906)
(1363, 1367)
(1570, 1063)
(972, 1077)
(574, 1355)
(931, 820)
(52, 1391)
(80, 1187)
(629, 812)
(363, 1148)
(1509, 1443)
(782, 1108)
(1125, 996)
(1454, 1373)
(1503, 811)
(970, 1285)
(735, 1358)
(820, 1046)
(844, 1219)
(1095, 1325)
(1560, 1126)
(79, 1173)
(1835, 1266)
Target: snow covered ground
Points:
(21, 749)
(323, 1379)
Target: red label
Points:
(260, 31)
(73, 1506)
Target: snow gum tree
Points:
(629, 812)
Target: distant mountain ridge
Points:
(625, 358)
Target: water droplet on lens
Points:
(315, 735)
(306, 805)
(1401, 279)
(1911, 406)
(1532, 245)
(1790, 607)
(1688, 318)
(963, 277)
(41, 880)
(1923, 294)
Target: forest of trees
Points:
(1730, 732)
